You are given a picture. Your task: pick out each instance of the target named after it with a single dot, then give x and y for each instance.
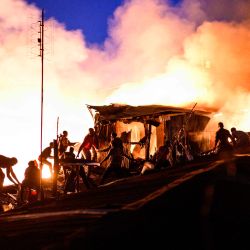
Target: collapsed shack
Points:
(144, 129)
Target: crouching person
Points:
(8, 163)
(31, 183)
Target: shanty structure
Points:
(145, 128)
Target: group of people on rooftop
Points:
(237, 141)
(87, 151)
(177, 151)
(225, 142)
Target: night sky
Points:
(91, 16)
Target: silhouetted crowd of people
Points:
(77, 162)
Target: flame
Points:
(46, 172)
(178, 87)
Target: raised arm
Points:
(105, 149)
(128, 157)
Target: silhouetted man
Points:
(90, 142)
(115, 155)
(45, 155)
(242, 140)
(8, 163)
(222, 140)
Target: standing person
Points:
(241, 138)
(45, 155)
(64, 143)
(115, 154)
(222, 138)
(90, 143)
(8, 163)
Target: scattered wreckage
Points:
(144, 129)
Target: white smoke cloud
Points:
(197, 51)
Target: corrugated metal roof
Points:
(114, 112)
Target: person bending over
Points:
(7, 163)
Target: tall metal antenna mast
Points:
(41, 45)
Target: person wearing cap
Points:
(7, 163)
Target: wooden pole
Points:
(147, 145)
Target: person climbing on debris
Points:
(162, 158)
(89, 149)
(71, 172)
(64, 143)
(89, 146)
(242, 140)
(115, 154)
(8, 163)
(45, 155)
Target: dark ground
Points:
(198, 206)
